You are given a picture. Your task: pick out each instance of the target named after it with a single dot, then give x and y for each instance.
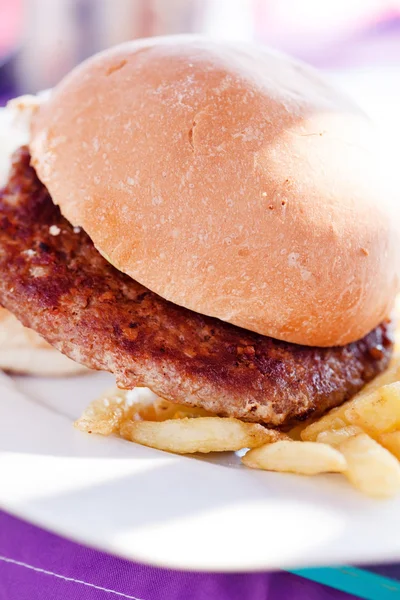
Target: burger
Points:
(207, 220)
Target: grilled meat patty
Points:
(56, 282)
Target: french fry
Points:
(334, 419)
(391, 441)
(203, 434)
(370, 467)
(304, 458)
(376, 412)
(105, 414)
(334, 437)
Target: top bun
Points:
(229, 179)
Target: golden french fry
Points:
(334, 437)
(104, 415)
(391, 441)
(378, 412)
(370, 467)
(334, 419)
(203, 434)
(304, 458)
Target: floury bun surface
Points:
(230, 180)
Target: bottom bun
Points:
(24, 351)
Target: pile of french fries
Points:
(360, 439)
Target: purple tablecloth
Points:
(37, 565)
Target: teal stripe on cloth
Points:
(353, 580)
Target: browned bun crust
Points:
(24, 351)
(228, 179)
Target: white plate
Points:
(187, 513)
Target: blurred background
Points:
(357, 42)
(41, 40)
